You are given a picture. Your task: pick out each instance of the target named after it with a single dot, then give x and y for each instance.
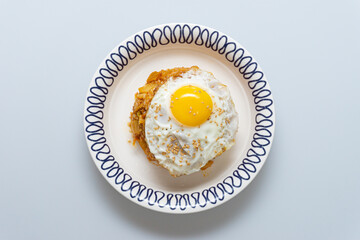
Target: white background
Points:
(309, 186)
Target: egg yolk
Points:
(191, 105)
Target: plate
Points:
(109, 102)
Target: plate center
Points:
(121, 99)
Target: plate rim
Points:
(182, 27)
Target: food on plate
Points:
(183, 118)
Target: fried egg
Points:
(191, 120)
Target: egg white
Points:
(161, 128)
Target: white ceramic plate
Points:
(111, 95)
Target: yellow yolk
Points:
(191, 105)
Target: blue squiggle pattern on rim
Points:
(183, 34)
